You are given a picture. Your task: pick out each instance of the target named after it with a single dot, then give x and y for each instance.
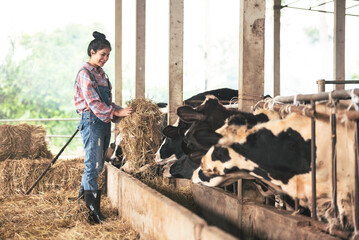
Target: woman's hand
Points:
(124, 112)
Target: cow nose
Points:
(157, 158)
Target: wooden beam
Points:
(276, 47)
(118, 56)
(251, 53)
(140, 48)
(339, 42)
(175, 97)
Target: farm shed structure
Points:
(251, 50)
(251, 53)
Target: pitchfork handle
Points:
(52, 162)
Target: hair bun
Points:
(96, 34)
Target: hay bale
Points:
(18, 175)
(141, 133)
(23, 141)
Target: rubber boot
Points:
(92, 199)
(102, 217)
(81, 193)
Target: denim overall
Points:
(96, 136)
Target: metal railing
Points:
(44, 120)
(310, 112)
(322, 82)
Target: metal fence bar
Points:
(341, 82)
(240, 190)
(40, 120)
(334, 163)
(44, 120)
(314, 168)
(337, 94)
(356, 180)
(321, 83)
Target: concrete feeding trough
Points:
(152, 214)
(223, 215)
(251, 220)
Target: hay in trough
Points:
(181, 195)
(23, 141)
(141, 134)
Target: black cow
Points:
(204, 120)
(226, 95)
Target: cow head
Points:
(172, 147)
(117, 154)
(209, 117)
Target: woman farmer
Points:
(93, 100)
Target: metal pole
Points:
(356, 180)
(321, 85)
(314, 169)
(296, 204)
(52, 163)
(334, 162)
(240, 190)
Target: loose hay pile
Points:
(18, 175)
(51, 211)
(23, 141)
(55, 215)
(141, 134)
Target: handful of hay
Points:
(141, 133)
(23, 141)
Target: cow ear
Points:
(196, 156)
(207, 138)
(185, 148)
(188, 114)
(170, 131)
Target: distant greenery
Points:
(312, 33)
(37, 77)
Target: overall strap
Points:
(94, 81)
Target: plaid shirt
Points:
(86, 98)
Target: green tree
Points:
(40, 83)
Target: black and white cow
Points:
(224, 94)
(174, 134)
(203, 121)
(278, 153)
(114, 152)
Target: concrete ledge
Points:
(112, 180)
(214, 233)
(252, 220)
(153, 215)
